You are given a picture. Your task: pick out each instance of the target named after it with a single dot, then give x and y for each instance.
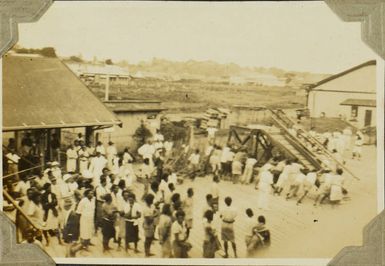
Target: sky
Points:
(301, 36)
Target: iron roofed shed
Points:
(360, 102)
(41, 92)
(333, 96)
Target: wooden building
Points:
(132, 113)
(349, 95)
(41, 97)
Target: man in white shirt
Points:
(158, 136)
(72, 156)
(357, 149)
(211, 133)
(308, 184)
(147, 151)
(111, 153)
(248, 171)
(13, 162)
(96, 167)
(228, 215)
(67, 189)
(295, 186)
(194, 160)
(86, 210)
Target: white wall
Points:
(323, 100)
(122, 137)
(329, 102)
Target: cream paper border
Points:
(380, 191)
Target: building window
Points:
(354, 113)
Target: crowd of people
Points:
(98, 192)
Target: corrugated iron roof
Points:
(360, 102)
(134, 105)
(368, 63)
(40, 92)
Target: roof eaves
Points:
(368, 63)
(29, 127)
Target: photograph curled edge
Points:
(371, 16)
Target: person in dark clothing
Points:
(109, 214)
(50, 204)
(71, 229)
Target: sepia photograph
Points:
(226, 130)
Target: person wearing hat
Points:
(56, 171)
(13, 162)
(86, 210)
(264, 188)
(67, 188)
(111, 152)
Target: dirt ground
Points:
(301, 231)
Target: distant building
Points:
(350, 95)
(131, 112)
(243, 115)
(260, 79)
(97, 73)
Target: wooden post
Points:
(89, 135)
(256, 145)
(107, 91)
(17, 141)
(48, 147)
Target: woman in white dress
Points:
(264, 189)
(83, 159)
(72, 156)
(35, 211)
(86, 209)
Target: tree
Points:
(76, 59)
(142, 133)
(48, 52)
(289, 78)
(174, 131)
(109, 62)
